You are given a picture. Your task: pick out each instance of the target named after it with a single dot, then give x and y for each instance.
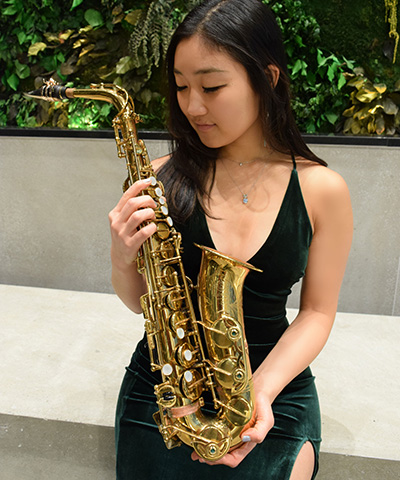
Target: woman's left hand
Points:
(264, 421)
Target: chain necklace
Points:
(242, 163)
(245, 196)
(249, 161)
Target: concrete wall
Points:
(55, 194)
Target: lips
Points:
(204, 127)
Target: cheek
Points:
(181, 103)
(242, 112)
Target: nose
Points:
(195, 104)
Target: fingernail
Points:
(246, 438)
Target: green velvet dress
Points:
(141, 452)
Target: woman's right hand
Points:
(131, 211)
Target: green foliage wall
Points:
(79, 42)
(358, 30)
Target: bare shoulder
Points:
(325, 193)
(157, 163)
(322, 182)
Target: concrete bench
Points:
(63, 355)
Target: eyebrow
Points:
(202, 71)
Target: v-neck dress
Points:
(141, 452)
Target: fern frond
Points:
(149, 42)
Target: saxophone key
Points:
(163, 229)
(166, 395)
(184, 355)
(167, 369)
(191, 384)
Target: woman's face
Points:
(215, 95)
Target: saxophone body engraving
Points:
(193, 355)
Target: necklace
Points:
(242, 163)
(245, 196)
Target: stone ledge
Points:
(37, 449)
(63, 355)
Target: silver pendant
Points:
(245, 199)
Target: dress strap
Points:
(294, 161)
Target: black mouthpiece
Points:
(49, 92)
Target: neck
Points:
(246, 148)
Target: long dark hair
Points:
(248, 32)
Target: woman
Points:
(240, 179)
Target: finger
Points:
(136, 219)
(259, 430)
(231, 459)
(131, 205)
(133, 191)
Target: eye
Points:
(180, 89)
(212, 89)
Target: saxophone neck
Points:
(51, 91)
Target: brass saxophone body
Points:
(193, 356)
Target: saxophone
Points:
(194, 356)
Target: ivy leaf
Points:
(35, 48)
(93, 17)
(299, 65)
(341, 82)
(380, 125)
(124, 65)
(320, 58)
(355, 128)
(75, 4)
(363, 113)
(13, 81)
(133, 17)
(65, 35)
(11, 10)
(349, 112)
(375, 109)
(21, 35)
(23, 71)
(364, 95)
(380, 87)
(389, 107)
(146, 96)
(331, 72)
(331, 117)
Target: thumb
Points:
(263, 424)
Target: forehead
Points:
(195, 55)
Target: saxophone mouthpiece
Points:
(50, 91)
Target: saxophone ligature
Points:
(194, 356)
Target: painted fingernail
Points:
(246, 438)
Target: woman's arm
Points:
(308, 333)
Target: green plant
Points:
(79, 42)
(375, 109)
(316, 74)
(89, 42)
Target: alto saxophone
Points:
(194, 356)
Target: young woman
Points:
(240, 179)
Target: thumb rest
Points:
(193, 356)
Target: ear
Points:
(273, 73)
